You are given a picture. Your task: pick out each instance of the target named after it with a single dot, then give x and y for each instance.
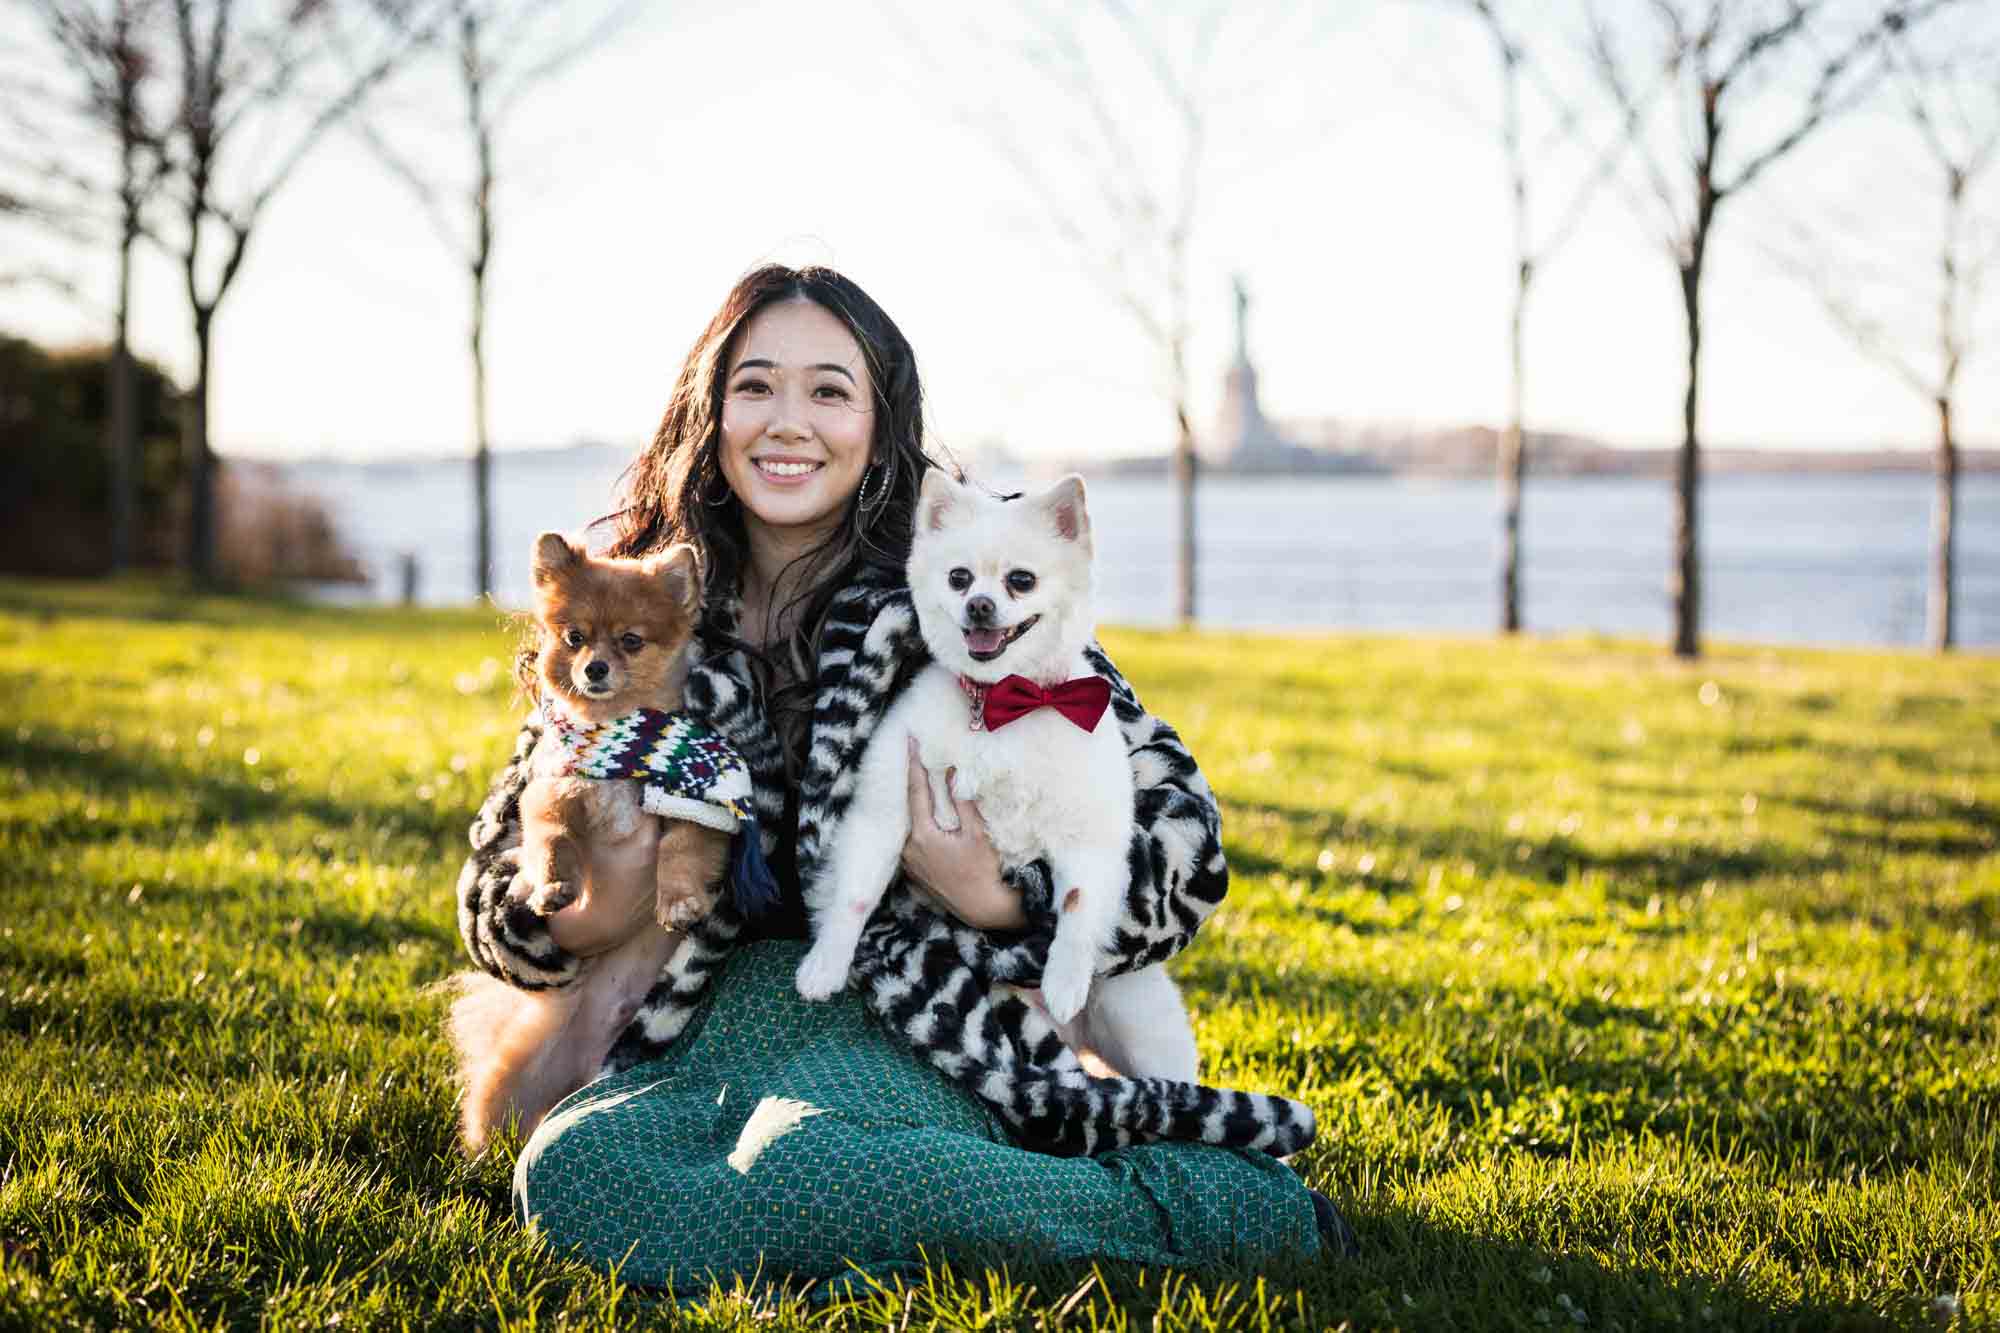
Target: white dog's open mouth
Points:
(987, 644)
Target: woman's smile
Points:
(798, 422)
(782, 471)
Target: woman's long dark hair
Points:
(675, 491)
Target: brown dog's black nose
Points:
(596, 670)
(980, 610)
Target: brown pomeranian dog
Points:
(613, 638)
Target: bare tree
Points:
(499, 50)
(252, 75)
(1524, 74)
(1139, 96)
(1726, 64)
(1949, 96)
(111, 48)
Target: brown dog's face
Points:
(612, 630)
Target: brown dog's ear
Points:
(680, 567)
(939, 499)
(553, 556)
(1063, 502)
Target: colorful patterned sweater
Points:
(689, 770)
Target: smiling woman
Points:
(798, 424)
(736, 1130)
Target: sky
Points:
(1350, 181)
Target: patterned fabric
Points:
(942, 987)
(779, 1137)
(691, 772)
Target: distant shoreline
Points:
(1463, 453)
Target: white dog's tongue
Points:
(985, 640)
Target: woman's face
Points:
(798, 418)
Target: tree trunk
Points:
(200, 463)
(1184, 477)
(482, 462)
(472, 69)
(1512, 466)
(1942, 629)
(122, 443)
(1685, 582)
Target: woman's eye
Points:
(959, 579)
(832, 391)
(1020, 582)
(751, 387)
(631, 643)
(574, 638)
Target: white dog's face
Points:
(1002, 587)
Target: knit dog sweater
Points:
(688, 770)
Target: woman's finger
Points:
(919, 789)
(969, 818)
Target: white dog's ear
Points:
(940, 500)
(1063, 503)
(680, 567)
(554, 555)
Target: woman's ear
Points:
(939, 500)
(554, 555)
(679, 567)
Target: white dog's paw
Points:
(1066, 984)
(822, 973)
(964, 786)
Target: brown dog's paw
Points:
(548, 899)
(682, 912)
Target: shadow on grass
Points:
(1559, 1074)
(1419, 1274)
(166, 601)
(49, 753)
(1634, 874)
(343, 934)
(1892, 817)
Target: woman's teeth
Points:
(777, 469)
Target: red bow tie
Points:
(1082, 700)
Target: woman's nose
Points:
(790, 421)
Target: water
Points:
(1798, 559)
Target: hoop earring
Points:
(727, 495)
(880, 475)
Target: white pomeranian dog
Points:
(1010, 705)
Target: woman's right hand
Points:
(618, 894)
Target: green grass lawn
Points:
(1628, 993)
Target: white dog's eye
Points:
(574, 638)
(960, 579)
(1020, 582)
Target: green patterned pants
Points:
(786, 1139)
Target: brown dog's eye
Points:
(573, 637)
(959, 579)
(631, 643)
(1020, 582)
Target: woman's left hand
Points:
(957, 869)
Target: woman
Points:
(746, 1131)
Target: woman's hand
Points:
(618, 894)
(958, 870)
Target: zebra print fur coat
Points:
(945, 989)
